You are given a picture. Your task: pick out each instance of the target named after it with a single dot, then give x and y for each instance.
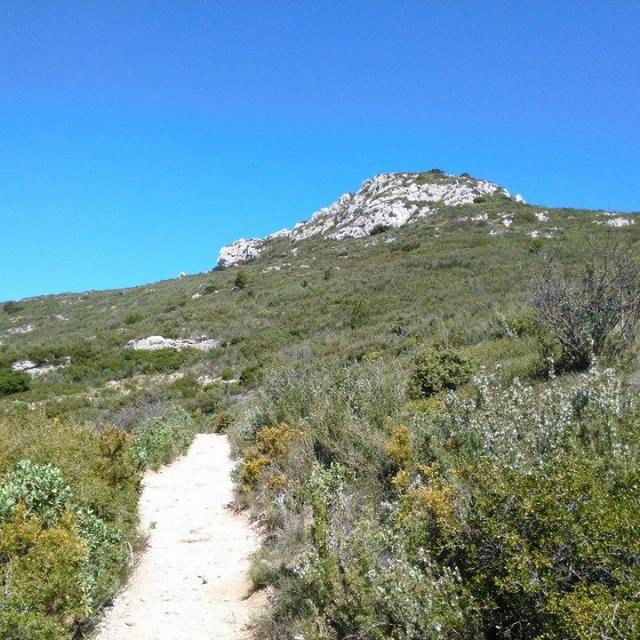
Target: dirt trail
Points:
(191, 583)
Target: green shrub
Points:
(251, 376)
(186, 387)
(42, 573)
(488, 516)
(593, 312)
(516, 325)
(58, 561)
(379, 228)
(40, 488)
(209, 288)
(133, 317)
(434, 371)
(159, 361)
(221, 422)
(227, 373)
(206, 402)
(11, 307)
(13, 382)
(242, 279)
(158, 440)
(358, 313)
(363, 584)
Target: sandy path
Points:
(191, 583)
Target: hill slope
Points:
(446, 269)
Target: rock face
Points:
(389, 200)
(618, 222)
(240, 251)
(34, 370)
(153, 343)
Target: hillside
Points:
(423, 453)
(446, 270)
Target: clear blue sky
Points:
(136, 138)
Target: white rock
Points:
(207, 380)
(387, 200)
(618, 222)
(27, 328)
(283, 233)
(23, 365)
(31, 368)
(153, 343)
(541, 216)
(519, 199)
(240, 251)
(195, 296)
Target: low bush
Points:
(67, 518)
(133, 317)
(242, 279)
(437, 370)
(13, 382)
(594, 312)
(251, 376)
(206, 402)
(11, 307)
(487, 514)
(221, 422)
(68, 496)
(186, 387)
(158, 440)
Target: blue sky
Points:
(136, 138)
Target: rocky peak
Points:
(384, 201)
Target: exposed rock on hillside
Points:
(389, 200)
(34, 370)
(153, 343)
(240, 251)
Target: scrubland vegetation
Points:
(436, 427)
(497, 511)
(68, 501)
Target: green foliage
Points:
(360, 575)
(57, 560)
(227, 373)
(68, 496)
(206, 402)
(567, 560)
(186, 387)
(379, 228)
(437, 370)
(241, 279)
(489, 517)
(209, 288)
(11, 307)
(158, 361)
(133, 317)
(221, 422)
(40, 488)
(251, 376)
(13, 382)
(592, 313)
(41, 570)
(358, 313)
(158, 440)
